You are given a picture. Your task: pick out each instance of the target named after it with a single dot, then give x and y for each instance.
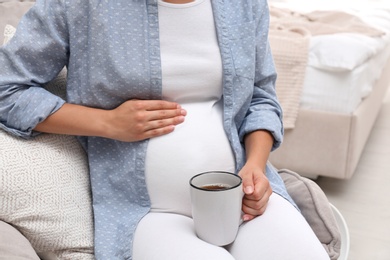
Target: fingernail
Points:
(245, 218)
(248, 189)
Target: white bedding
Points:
(341, 91)
(342, 68)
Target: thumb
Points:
(247, 184)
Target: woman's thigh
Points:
(280, 233)
(167, 236)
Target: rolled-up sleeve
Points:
(265, 112)
(33, 57)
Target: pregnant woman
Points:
(158, 91)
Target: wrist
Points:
(103, 123)
(256, 164)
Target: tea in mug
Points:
(216, 187)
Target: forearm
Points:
(256, 186)
(132, 121)
(73, 119)
(258, 145)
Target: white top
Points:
(192, 76)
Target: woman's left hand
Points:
(257, 191)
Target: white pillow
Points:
(342, 51)
(347, 51)
(45, 194)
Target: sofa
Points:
(45, 197)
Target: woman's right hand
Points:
(133, 120)
(136, 120)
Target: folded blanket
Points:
(289, 37)
(290, 51)
(321, 22)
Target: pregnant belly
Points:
(198, 145)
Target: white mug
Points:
(216, 206)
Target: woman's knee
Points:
(280, 233)
(172, 236)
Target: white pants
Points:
(281, 233)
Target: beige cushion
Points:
(10, 13)
(45, 194)
(14, 245)
(316, 209)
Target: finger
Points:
(151, 105)
(247, 183)
(261, 191)
(247, 217)
(253, 206)
(251, 214)
(257, 203)
(156, 124)
(162, 127)
(261, 187)
(165, 114)
(158, 132)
